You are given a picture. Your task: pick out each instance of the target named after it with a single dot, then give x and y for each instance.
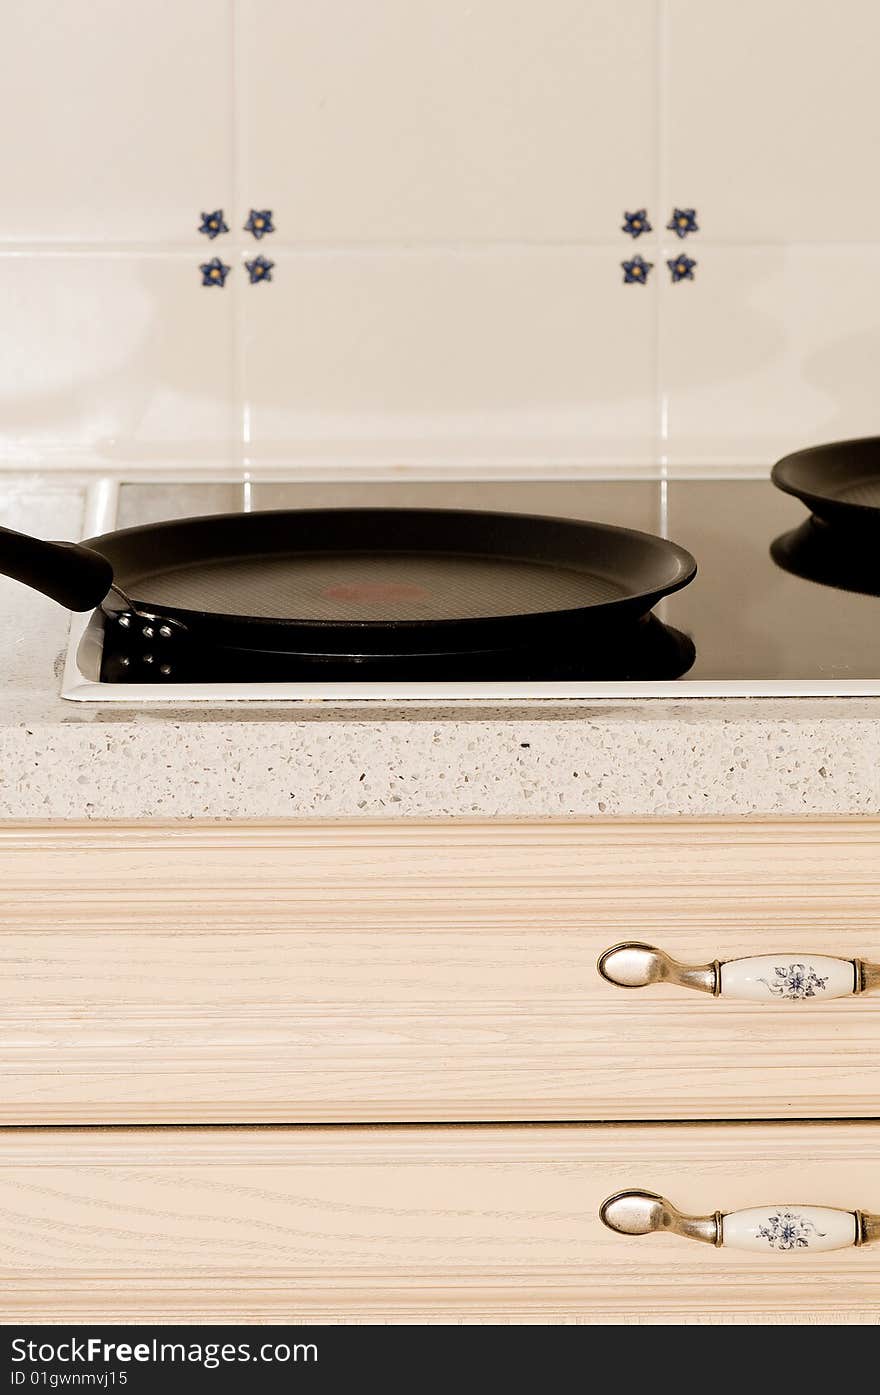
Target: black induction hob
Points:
(776, 607)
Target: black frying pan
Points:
(353, 582)
(839, 483)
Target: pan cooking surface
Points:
(865, 492)
(376, 587)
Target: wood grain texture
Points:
(396, 1223)
(317, 973)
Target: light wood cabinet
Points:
(295, 976)
(395, 1223)
(372, 973)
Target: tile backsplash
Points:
(535, 236)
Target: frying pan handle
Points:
(72, 575)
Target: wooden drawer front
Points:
(288, 1223)
(426, 973)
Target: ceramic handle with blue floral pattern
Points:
(784, 1228)
(792, 977)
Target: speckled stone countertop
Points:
(61, 760)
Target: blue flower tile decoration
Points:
(213, 224)
(260, 269)
(259, 222)
(214, 273)
(636, 270)
(682, 268)
(636, 223)
(683, 221)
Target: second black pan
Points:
(839, 483)
(355, 582)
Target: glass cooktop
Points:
(777, 607)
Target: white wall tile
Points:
(116, 117)
(771, 119)
(110, 357)
(380, 130)
(539, 356)
(769, 349)
(486, 119)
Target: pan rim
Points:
(682, 570)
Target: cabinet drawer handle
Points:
(787, 1227)
(762, 978)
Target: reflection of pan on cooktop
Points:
(353, 584)
(840, 483)
(819, 552)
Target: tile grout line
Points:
(240, 410)
(661, 409)
(453, 247)
(387, 468)
(660, 181)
